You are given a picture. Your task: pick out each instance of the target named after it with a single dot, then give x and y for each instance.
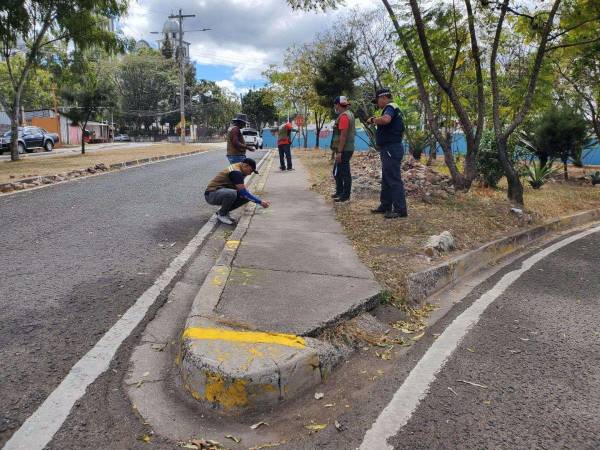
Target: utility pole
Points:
(180, 18)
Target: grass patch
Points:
(51, 165)
(394, 248)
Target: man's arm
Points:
(237, 141)
(241, 188)
(385, 118)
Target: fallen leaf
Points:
(187, 445)
(473, 384)
(487, 402)
(338, 426)
(259, 424)
(516, 351)
(144, 438)
(237, 440)
(319, 395)
(418, 336)
(329, 405)
(453, 391)
(316, 426)
(145, 374)
(269, 445)
(139, 384)
(158, 347)
(524, 339)
(471, 349)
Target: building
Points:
(170, 32)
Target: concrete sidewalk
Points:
(295, 271)
(285, 273)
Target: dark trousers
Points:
(285, 150)
(392, 188)
(227, 199)
(342, 175)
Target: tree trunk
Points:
(14, 132)
(515, 187)
(565, 170)
(317, 130)
(432, 152)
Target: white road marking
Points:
(415, 387)
(39, 429)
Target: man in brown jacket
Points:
(236, 146)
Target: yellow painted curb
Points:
(251, 337)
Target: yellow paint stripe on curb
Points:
(251, 337)
(232, 244)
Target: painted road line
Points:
(249, 337)
(415, 387)
(37, 431)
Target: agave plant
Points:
(595, 177)
(538, 174)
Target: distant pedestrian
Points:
(390, 129)
(342, 144)
(228, 190)
(284, 145)
(236, 146)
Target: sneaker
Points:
(282, 169)
(394, 215)
(289, 168)
(335, 195)
(341, 199)
(380, 210)
(225, 219)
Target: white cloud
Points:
(245, 36)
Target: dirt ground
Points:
(394, 248)
(11, 171)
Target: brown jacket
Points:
(235, 141)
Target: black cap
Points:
(383, 92)
(251, 163)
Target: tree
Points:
(89, 91)
(167, 48)
(27, 28)
(147, 84)
(259, 107)
(560, 133)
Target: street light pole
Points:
(180, 18)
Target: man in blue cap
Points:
(390, 129)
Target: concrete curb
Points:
(421, 285)
(46, 180)
(233, 369)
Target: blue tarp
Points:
(269, 141)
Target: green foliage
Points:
(167, 48)
(488, 164)
(259, 107)
(418, 140)
(336, 74)
(537, 174)
(37, 90)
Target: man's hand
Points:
(249, 147)
(338, 157)
(265, 204)
(371, 120)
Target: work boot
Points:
(341, 199)
(394, 215)
(380, 210)
(336, 195)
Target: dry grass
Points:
(393, 248)
(51, 165)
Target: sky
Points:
(246, 36)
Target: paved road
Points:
(75, 256)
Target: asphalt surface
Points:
(75, 256)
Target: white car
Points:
(252, 137)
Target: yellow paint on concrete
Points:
(256, 337)
(232, 244)
(227, 394)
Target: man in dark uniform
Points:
(236, 146)
(390, 129)
(227, 190)
(342, 144)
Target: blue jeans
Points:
(392, 188)
(235, 158)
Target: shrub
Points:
(538, 174)
(489, 166)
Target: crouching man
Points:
(228, 190)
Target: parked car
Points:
(122, 138)
(252, 138)
(30, 138)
